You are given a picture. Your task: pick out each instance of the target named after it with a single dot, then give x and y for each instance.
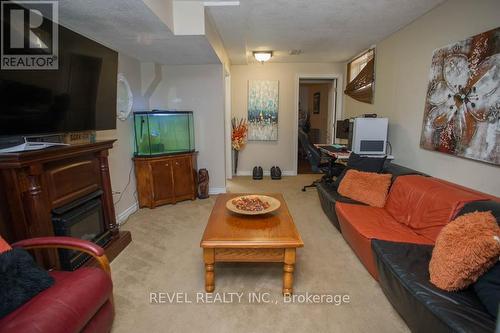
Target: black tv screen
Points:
(80, 95)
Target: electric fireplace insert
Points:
(84, 219)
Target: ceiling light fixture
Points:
(262, 56)
(220, 3)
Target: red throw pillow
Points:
(4, 246)
(367, 187)
(465, 249)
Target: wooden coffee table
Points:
(231, 237)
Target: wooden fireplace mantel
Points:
(33, 183)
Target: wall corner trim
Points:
(217, 190)
(123, 216)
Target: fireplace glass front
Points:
(82, 219)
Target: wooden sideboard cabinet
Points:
(166, 179)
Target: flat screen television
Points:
(80, 95)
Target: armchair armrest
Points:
(69, 243)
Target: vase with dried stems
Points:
(238, 137)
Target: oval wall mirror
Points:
(125, 99)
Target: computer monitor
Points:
(369, 136)
(342, 129)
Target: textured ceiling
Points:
(129, 26)
(325, 30)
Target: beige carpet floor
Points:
(164, 256)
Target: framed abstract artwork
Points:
(462, 108)
(263, 110)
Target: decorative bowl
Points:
(274, 204)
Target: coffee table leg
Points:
(288, 268)
(209, 259)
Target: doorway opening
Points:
(317, 111)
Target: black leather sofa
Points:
(328, 195)
(404, 277)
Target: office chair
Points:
(303, 139)
(319, 163)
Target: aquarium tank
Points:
(163, 132)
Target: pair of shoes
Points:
(257, 173)
(275, 172)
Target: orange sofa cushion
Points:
(465, 249)
(426, 204)
(361, 224)
(4, 246)
(367, 187)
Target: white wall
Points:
(199, 88)
(402, 67)
(282, 152)
(120, 157)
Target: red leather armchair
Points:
(79, 301)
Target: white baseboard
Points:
(123, 216)
(216, 190)
(267, 173)
(244, 173)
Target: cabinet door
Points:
(183, 177)
(163, 189)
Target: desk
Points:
(344, 155)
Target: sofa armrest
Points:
(69, 243)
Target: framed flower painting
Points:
(462, 108)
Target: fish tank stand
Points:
(166, 179)
(165, 157)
